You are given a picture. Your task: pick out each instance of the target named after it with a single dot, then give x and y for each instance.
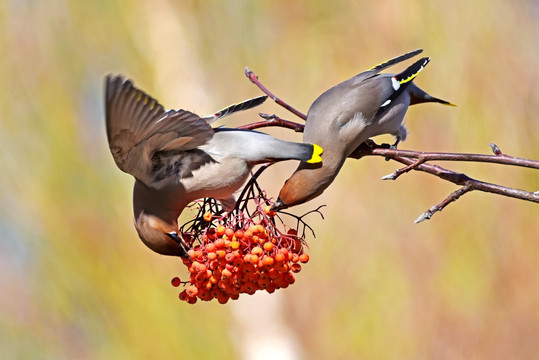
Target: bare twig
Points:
(254, 79)
(416, 161)
(273, 120)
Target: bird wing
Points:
(152, 144)
(372, 95)
(241, 106)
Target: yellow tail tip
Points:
(450, 104)
(316, 158)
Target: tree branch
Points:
(416, 160)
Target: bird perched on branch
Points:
(367, 105)
(176, 157)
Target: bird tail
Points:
(316, 155)
(411, 72)
(402, 81)
(396, 60)
(309, 153)
(244, 105)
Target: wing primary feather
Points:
(241, 106)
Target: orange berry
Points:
(208, 216)
(247, 258)
(254, 259)
(269, 212)
(220, 231)
(295, 268)
(270, 288)
(212, 256)
(210, 247)
(237, 262)
(176, 282)
(226, 274)
(292, 232)
(283, 268)
(273, 274)
(263, 282)
(229, 257)
(260, 228)
(191, 253)
(268, 246)
(254, 277)
(221, 253)
(201, 268)
(229, 233)
(222, 299)
(200, 277)
(304, 258)
(234, 245)
(290, 278)
(248, 234)
(257, 250)
(295, 258)
(279, 257)
(238, 234)
(191, 291)
(247, 267)
(219, 243)
(267, 261)
(204, 294)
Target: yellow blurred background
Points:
(75, 281)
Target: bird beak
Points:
(177, 238)
(278, 205)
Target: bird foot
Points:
(391, 146)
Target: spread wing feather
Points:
(148, 142)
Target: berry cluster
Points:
(231, 261)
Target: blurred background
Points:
(75, 281)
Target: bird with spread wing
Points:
(177, 157)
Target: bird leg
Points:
(393, 146)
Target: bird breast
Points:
(218, 179)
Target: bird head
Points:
(160, 236)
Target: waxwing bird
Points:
(367, 105)
(176, 157)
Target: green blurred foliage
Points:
(75, 281)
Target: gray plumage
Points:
(339, 120)
(177, 157)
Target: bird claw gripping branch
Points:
(245, 250)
